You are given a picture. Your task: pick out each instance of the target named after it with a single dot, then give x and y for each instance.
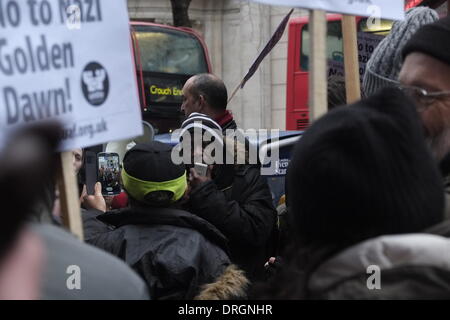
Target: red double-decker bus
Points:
(165, 58)
(297, 110)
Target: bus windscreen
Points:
(170, 51)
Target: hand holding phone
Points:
(201, 169)
(95, 201)
(199, 174)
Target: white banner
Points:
(72, 61)
(388, 9)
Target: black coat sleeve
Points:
(249, 218)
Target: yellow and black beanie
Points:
(148, 168)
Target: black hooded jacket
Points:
(174, 251)
(239, 203)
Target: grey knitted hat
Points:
(386, 60)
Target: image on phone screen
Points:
(109, 173)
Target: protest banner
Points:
(367, 43)
(68, 61)
(268, 47)
(387, 9)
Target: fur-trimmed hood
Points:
(412, 266)
(231, 285)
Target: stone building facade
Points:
(235, 32)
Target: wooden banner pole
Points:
(318, 64)
(68, 193)
(351, 64)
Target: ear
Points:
(202, 102)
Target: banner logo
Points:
(95, 84)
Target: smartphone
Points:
(201, 169)
(108, 165)
(90, 167)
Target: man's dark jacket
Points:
(174, 251)
(239, 203)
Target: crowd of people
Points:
(367, 188)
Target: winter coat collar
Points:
(164, 216)
(225, 119)
(229, 125)
(386, 252)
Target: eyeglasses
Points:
(422, 96)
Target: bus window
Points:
(334, 44)
(170, 51)
(166, 57)
(382, 29)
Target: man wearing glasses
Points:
(425, 75)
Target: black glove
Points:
(273, 266)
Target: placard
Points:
(71, 61)
(388, 9)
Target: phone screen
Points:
(109, 173)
